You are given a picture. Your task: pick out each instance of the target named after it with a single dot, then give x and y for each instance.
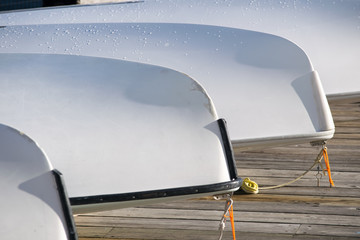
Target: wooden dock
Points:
(299, 211)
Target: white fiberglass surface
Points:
(328, 31)
(113, 126)
(30, 203)
(263, 85)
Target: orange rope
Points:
(327, 163)
(231, 213)
(228, 213)
(231, 216)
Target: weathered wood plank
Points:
(187, 224)
(335, 151)
(91, 231)
(315, 191)
(347, 130)
(335, 156)
(345, 167)
(312, 182)
(243, 216)
(295, 199)
(346, 231)
(166, 234)
(352, 123)
(353, 136)
(154, 225)
(150, 223)
(141, 233)
(313, 206)
(278, 173)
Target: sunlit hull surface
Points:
(34, 204)
(264, 85)
(122, 133)
(328, 31)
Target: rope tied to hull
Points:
(327, 163)
(228, 213)
(251, 187)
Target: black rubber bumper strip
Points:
(145, 195)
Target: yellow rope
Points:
(249, 186)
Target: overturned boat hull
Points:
(122, 133)
(264, 85)
(34, 194)
(328, 31)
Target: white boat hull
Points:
(328, 31)
(251, 76)
(34, 204)
(121, 132)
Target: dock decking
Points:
(299, 211)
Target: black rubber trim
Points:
(228, 149)
(173, 192)
(65, 203)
